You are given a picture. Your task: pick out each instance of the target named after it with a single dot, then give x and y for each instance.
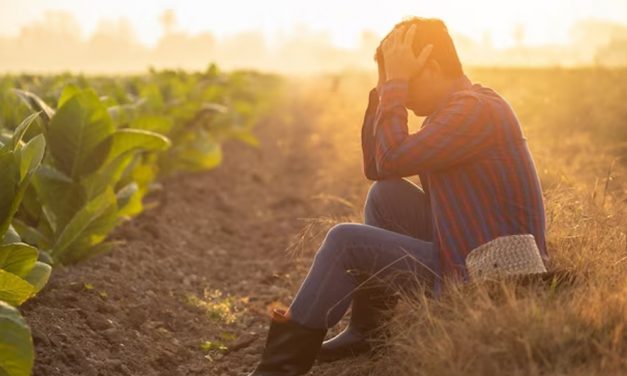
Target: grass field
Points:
(576, 125)
(186, 289)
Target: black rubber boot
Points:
(370, 310)
(290, 348)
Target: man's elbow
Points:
(373, 177)
(391, 168)
(370, 172)
(384, 168)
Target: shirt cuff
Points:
(393, 93)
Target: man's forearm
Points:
(368, 137)
(456, 132)
(390, 124)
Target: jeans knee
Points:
(334, 240)
(382, 189)
(338, 233)
(380, 192)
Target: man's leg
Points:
(396, 205)
(326, 292)
(294, 338)
(399, 205)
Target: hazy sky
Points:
(544, 21)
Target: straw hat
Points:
(505, 256)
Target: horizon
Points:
(280, 36)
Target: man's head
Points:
(442, 67)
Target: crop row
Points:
(78, 155)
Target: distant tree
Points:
(595, 34)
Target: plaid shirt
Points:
(473, 163)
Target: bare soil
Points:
(207, 260)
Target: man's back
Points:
(494, 192)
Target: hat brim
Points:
(556, 276)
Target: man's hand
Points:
(400, 62)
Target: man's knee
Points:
(339, 233)
(336, 239)
(382, 193)
(382, 189)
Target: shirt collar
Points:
(461, 83)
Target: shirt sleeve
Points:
(367, 137)
(454, 133)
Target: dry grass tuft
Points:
(578, 329)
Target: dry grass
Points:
(576, 126)
(514, 330)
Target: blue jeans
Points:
(393, 245)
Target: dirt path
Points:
(234, 239)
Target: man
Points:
(479, 182)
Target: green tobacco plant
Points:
(16, 345)
(104, 152)
(17, 164)
(175, 104)
(69, 173)
(90, 179)
(199, 111)
(21, 274)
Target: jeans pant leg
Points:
(399, 205)
(325, 294)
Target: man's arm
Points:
(367, 137)
(453, 134)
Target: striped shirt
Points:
(473, 162)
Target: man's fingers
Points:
(424, 55)
(409, 35)
(391, 41)
(385, 46)
(398, 48)
(401, 34)
(395, 38)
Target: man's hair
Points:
(431, 31)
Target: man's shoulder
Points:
(466, 95)
(476, 101)
(479, 98)
(465, 100)
(476, 92)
